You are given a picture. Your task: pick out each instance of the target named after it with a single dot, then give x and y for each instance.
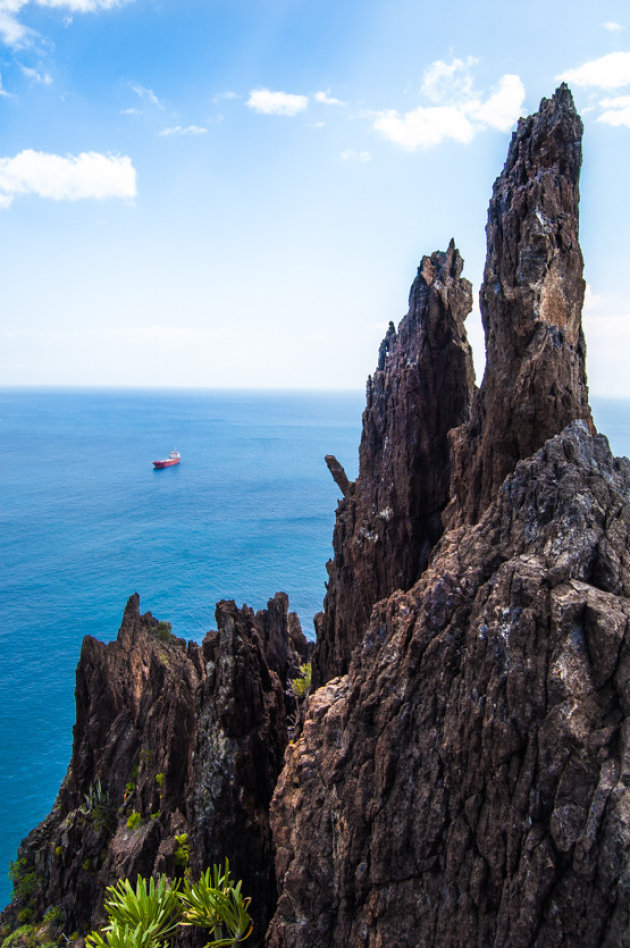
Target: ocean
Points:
(86, 522)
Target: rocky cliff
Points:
(462, 774)
(177, 749)
(467, 781)
(531, 308)
(390, 519)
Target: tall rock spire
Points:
(390, 519)
(531, 303)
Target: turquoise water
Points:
(86, 522)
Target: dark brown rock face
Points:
(468, 782)
(390, 519)
(531, 304)
(169, 739)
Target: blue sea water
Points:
(86, 521)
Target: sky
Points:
(237, 193)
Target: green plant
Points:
(182, 853)
(87, 863)
(134, 820)
(58, 851)
(159, 779)
(97, 806)
(301, 686)
(215, 903)
(147, 916)
(23, 878)
(25, 933)
(55, 915)
(25, 916)
(164, 631)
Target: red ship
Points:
(172, 459)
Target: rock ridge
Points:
(390, 518)
(531, 307)
(460, 774)
(176, 752)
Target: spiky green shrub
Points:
(215, 903)
(149, 915)
(145, 916)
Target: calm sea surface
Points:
(86, 522)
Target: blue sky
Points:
(237, 194)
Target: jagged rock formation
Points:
(462, 777)
(390, 519)
(531, 307)
(467, 782)
(188, 738)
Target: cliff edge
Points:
(461, 776)
(466, 781)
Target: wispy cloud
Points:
(131, 111)
(276, 103)
(34, 75)
(325, 99)
(607, 72)
(183, 130)
(12, 32)
(458, 112)
(351, 155)
(147, 94)
(613, 27)
(3, 92)
(423, 127)
(443, 81)
(224, 96)
(616, 111)
(16, 35)
(66, 177)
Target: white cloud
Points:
(458, 111)
(221, 96)
(608, 72)
(276, 103)
(351, 155)
(613, 27)
(326, 99)
(3, 91)
(144, 93)
(616, 111)
(66, 177)
(443, 81)
(187, 130)
(593, 302)
(34, 75)
(13, 33)
(130, 112)
(423, 127)
(503, 107)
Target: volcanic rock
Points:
(468, 782)
(531, 306)
(170, 739)
(389, 519)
